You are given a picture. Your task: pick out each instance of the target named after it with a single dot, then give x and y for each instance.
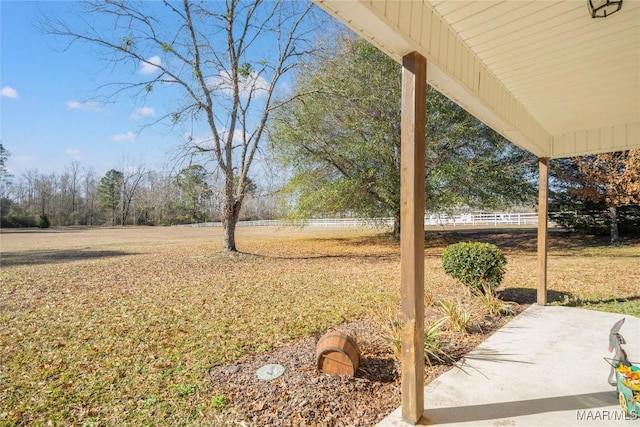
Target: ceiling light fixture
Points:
(603, 8)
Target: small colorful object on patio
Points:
(628, 386)
(626, 374)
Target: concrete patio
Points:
(546, 367)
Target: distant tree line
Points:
(597, 194)
(130, 196)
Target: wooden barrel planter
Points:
(337, 354)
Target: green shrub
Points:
(477, 265)
(43, 222)
(17, 218)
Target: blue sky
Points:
(48, 117)
(50, 113)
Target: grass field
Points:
(119, 326)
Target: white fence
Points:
(473, 220)
(483, 219)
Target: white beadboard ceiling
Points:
(543, 73)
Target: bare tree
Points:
(5, 176)
(46, 187)
(132, 179)
(28, 193)
(72, 173)
(227, 58)
(91, 196)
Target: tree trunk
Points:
(231, 214)
(396, 226)
(613, 217)
(229, 239)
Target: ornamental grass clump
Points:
(477, 265)
(457, 315)
(494, 305)
(433, 343)
(434, 351)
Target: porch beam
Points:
(412, 200)
(543, 197)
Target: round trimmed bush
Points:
(477, 265)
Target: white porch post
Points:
(412, 207)
(543, 196)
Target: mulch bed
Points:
(303, 396)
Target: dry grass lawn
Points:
(119, 326)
